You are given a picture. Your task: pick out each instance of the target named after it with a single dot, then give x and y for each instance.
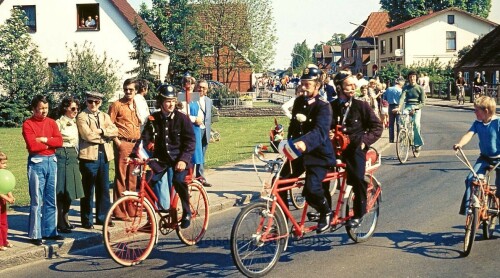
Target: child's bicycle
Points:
(405, 137)
(484, 205)
(130, 242)
(260, 232)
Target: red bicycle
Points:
(130, 242)
(260, 232)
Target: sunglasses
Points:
(96, 102)
(74, 109)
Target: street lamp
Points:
(374, 41)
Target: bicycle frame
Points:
(277, 205)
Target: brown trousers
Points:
(124, 180)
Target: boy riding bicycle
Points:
(487, 128)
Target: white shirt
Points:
(142, 109)
(287, 106)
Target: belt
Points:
(128, 140)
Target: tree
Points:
(142, 54)
(175, 24)
(461, 53)
(87, 71)
(23, 71)
(301, 56)
(401, 11)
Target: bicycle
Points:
(260, 232)
(130, 242)
(484, 206)
(405, 137)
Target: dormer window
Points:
(88, 17)
(451, 19)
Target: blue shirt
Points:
(393, 94)
(488, 134)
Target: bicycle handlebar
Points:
(144, 161)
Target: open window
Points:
(88, 17)
(30, 12)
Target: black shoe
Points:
(71, 226)
(354, 223)
(206, 184)
(185, 221)
(36, 241)
(57, 237)
(64, 230)
(313, 216)
(324, 222)
(88, 226)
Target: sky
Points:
(317, 20)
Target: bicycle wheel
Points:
(471, 221)
(298, 201)
(198, 202)
(368, 223)
(402, 145)
(130, 242)
(255, 253)
(490, 223)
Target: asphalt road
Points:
(420, 233)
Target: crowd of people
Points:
(68, 157)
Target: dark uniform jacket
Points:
(313, 131)
(172, 137)
(361, 125)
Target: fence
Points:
(448, 90)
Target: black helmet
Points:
(167, 91)
(312, 72)
(340, 77)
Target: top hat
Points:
(167, 91)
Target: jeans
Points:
(393, 120)
(417, 135)
(199, 168)
(481, 165)
(42, 178)
(162, 188)
(95, 179)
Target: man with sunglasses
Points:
(95, 152)
(123, 114)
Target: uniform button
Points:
(305, 106)
(168, 151)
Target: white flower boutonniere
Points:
(301, 118)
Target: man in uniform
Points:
(359, 122)
(169, 135)
(309, 127)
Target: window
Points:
(382, 47)
(399, 42)
(390, 45)
(88, 17)
(451, 19)
(451, 40)
(30, 12)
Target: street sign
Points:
(399, 52)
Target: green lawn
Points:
(238, 137)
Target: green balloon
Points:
(7, 181)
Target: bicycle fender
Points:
(155, 216)
(130, 193)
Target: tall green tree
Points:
(401, 11)
(175, 24)
(23, 71)
(301, 56)
(142, 55)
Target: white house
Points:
(107, 24)
(435, 35)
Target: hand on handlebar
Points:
(456, 147)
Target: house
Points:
(434, 35)
(484, 56)
(56, 24)
(328, 56)
(359, 53)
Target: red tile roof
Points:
(376, 23)
(417, 20)
(130, 14)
